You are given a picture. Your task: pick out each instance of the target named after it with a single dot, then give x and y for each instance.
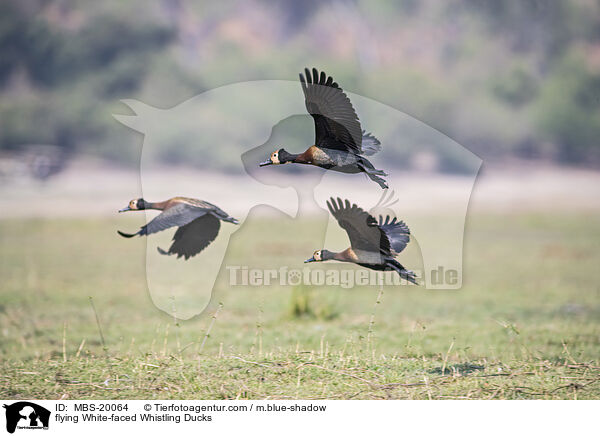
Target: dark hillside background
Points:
(512, 79)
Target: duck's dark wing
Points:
(194, 237)
(336, 123)
(362, 228)
(209, 207)
(396, 232)
(175, 216)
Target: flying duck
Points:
(340, 143)
(373, 244)
(198, 221)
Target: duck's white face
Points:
(275, 158)
(316, 257)
(133, 205)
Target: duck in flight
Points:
(373, 244)
(198, 223)
(340, 143)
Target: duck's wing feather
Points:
(362, 228)
(336, 123)
(175, 216)
(194, 237)
(208, 207)
(397, 233)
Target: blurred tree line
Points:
(510, 78)
(58, 80)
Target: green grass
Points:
(525, 325)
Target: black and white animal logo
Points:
(26, 415)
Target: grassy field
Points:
(525, 325)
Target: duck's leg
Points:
(404, 273)
(371, 172)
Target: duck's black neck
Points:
(328, 255)
(143, 205)
(285, 157)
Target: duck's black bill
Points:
(125, 209)
(312, 259)
(265, 163)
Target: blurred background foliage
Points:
(510, 79)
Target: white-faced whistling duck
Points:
(372, 244)
(340, 143)
(198, 221)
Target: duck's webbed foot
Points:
(381, 182)
(403, 272)
(373, 173)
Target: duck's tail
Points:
(403, 272)
(229, 219)
(370, 144)
(224, 216)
